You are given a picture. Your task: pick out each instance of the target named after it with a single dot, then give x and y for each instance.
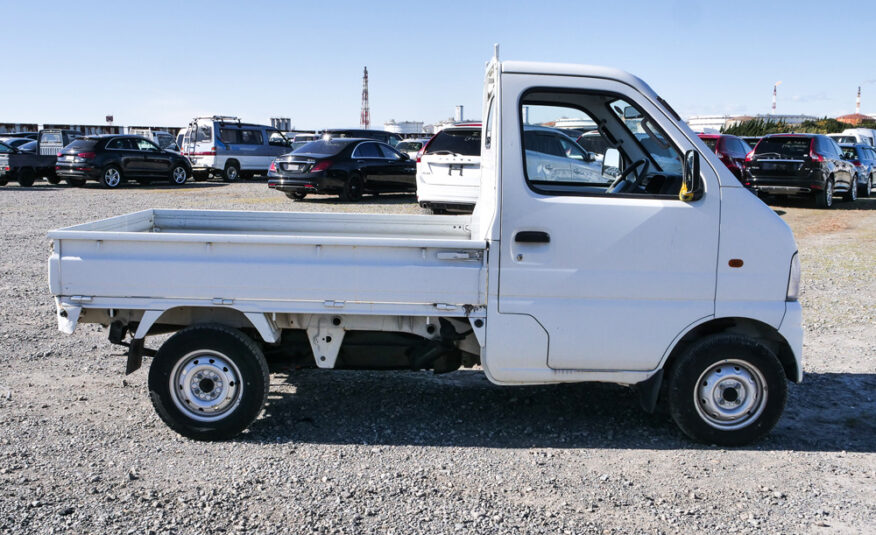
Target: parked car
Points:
(113, 159)
(29, 135)
(553, 156)
(5, 151)
(29, 147)
(27, 166)
(15, 141)
(449, 169)
(594, 143)
(552, 283)
(229, 148)
(866, 136)
(863, 157)
(730, 149)
(800, 164)
(411, 146)
(751, 141)
(349, 167)
(390, 138)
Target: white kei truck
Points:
(670, 276)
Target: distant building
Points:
(89, 129)
(282, 123)
(18, 127)
(854, 119)
(403, 127)
(715, 123)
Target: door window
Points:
(556, 165)
(389, 153)
(229, 136)
(144, 145)
(251, 137)
(367, 150)
(277, 139)
(120, 144)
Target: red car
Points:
(731, 149)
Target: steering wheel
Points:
(643, 163)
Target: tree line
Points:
(761, 127)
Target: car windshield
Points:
(323, 147)
(843, 139)
(4, 148)
(460, 142)
(783, 147)
(409, 146)
(711, 142)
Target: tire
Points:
(824, 198)
(296, 195)
(200, 177)
(727, 389)
(53, 180)
(865, 191)
(231, 172)
(75, 182)
(111, 177)
(179, 175)
(353, 188)
(852, 194)
(25, 178)
(208, 382)
(3, 182)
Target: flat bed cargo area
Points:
(277, 261)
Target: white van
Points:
(866, 136)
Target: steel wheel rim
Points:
(112, 177)
(179, 175)
(730, 394)
(205, 385)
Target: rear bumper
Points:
(318, 183)
(791, 185)
(433, 194)
(80, 171)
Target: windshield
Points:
(459, 142)
(849, 153)
(650, 136)
(409, 146)
(783, 147)
(4, 148)
(322, 147)
(82, 144)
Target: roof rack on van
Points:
(220, 118)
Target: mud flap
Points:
(649, 391)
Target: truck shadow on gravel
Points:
(828, 412)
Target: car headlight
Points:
(794, 279)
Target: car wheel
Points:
(296, 195)
(727, 389)
(208, 382)
(200, 177)
(179, 175)
(3, 182)
(865, 191)
(852, 194)
(75, 182)
(824, 198)
(26, 178)
(111, 177)
(353, 189)
(53, 179)
(231, 172)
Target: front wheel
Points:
(824, 198)
(297, 195)
(208, 382)
(179, 175)
(231, 172)
(852, 194)
(727, 390)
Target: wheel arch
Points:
(176, 318)
(752, 328)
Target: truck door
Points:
(612, 272)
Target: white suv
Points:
(449, 169)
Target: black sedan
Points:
(113, 159)
(345, 166)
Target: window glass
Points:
(557, 163)
(50, 138)
(367, 150)
(488, 126)
(251, 137)
(119, 144)
(276, 138)
(323, 148)
(229, 135)
(711, 142)
(204, 132)
(83, 144)
(409, 146)
(145, 145)
(4, 148)
(849, 153)
(462, 142)
(389, 152)
(782, 147)
(164, 140)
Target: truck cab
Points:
(654, 269)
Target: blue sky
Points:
(160, 63)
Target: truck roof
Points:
(572, 69)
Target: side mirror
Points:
(691, 184)
(611, 163)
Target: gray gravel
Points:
(81, 450)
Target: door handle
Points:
(532, 236)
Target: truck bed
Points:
(272, 261)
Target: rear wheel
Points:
(208, 382)
(200, 177)
(866, 188)
(111, 177)
(179, 175)
(231, 172)
(824, 198)
(852, 194)
(53, 179)
(75, 182)
(727, 389)
(26, 178)
(3, 182)
(296, 195)
(353, 188)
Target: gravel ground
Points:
(81, 450)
